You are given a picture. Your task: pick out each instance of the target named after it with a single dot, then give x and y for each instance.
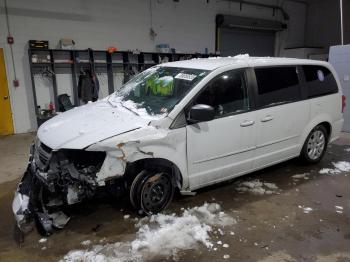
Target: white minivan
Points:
(180, 125)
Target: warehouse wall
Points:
(323, 23)
(187, 26)
(346, 12)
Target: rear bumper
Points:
(337, 127)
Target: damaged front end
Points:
(53, 180)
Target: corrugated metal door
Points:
(234, 41)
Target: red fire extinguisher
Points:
(51, 106)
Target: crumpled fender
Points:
(149, 142)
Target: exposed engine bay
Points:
(52, 181)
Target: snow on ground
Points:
(340, 166)
(256, 187)
(343, 166)
(86, 242)
(329, 171)
(160, 235)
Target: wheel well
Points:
(328, 128)
(157, 164)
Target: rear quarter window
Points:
(319, 81)
(277, 85)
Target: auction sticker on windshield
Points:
(183, 76)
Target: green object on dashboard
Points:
(162, 86)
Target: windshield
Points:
(155, 91)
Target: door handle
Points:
(6, 97)
(267, 118)
(247, 123)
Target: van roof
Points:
(213, 63)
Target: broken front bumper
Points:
(28, 206)
(22, 205)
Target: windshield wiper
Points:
(121, 103)
(111, 102)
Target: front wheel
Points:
(151, 191)
(315, 145)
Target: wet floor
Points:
(269, 227)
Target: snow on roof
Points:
(239, 60)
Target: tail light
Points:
(343, 103)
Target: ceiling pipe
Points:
(273, 7)
(341, 22)
(298, 1)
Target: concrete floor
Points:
(269, 228)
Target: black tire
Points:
(151, 191)
(311, 153)
(136, 185)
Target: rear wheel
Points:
(315, 145)
(151, 191)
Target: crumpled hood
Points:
(88, 124)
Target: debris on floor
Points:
(339, 209)
(306, 210)
(340, 166)
(301, 176)
(161, 235)
(42, 240)
(256, 187)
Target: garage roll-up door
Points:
(242, 41)
(241, 35)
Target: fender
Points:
(324, 117)
(146, 143)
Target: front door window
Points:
(227, 93)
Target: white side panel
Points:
(329, 108)
(220, 149)
(279, 138)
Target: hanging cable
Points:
(151, 13)
(9, 35)
(152, 33)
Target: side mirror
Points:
(201, 113)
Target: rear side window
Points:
(277, 85)
(319, 81)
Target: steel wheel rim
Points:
(156, 193)
(316, 145)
